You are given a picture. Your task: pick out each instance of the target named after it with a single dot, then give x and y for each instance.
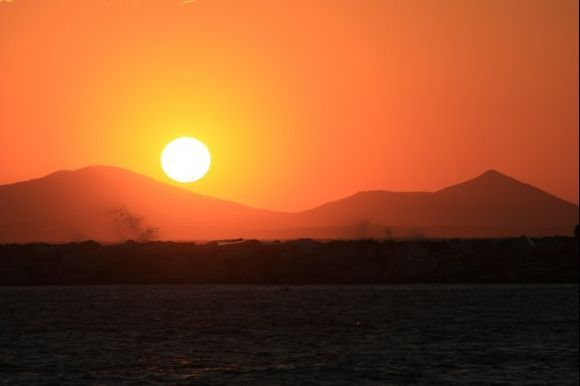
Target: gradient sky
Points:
(300, 102)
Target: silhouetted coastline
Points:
(305, 261)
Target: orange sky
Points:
(299, 101)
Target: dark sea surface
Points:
(271, 335)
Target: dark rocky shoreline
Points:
(510, 260)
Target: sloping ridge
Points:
(490, 205)
(494, 199)
(81, 204)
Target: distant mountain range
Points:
(112, 204)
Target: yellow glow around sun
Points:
(185, 159)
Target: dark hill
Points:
(491, 205)
(110, 204)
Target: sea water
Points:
(274, 335)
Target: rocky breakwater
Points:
(510, 260)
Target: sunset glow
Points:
(275, 192)
(403, 95)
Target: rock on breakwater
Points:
(510, 260)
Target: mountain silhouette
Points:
(86, 204)
(111, 204)
(490, 205)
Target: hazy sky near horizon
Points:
(300, 102)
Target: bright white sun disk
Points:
(185, 159)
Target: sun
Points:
(185, 159)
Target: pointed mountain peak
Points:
(493, 174)
(490, 179)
